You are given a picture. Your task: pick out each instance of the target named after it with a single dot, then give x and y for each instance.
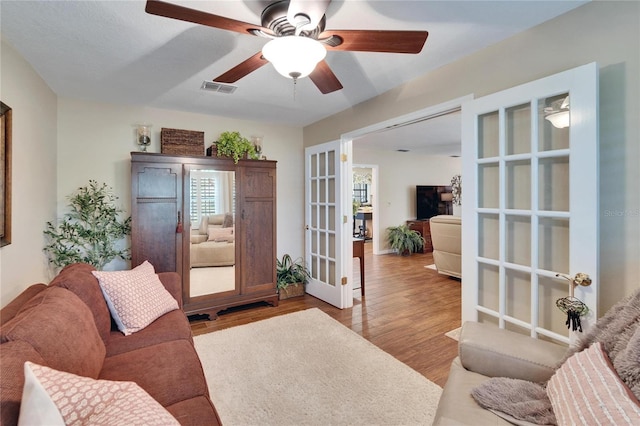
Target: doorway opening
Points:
(382, 135)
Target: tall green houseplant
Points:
(90, 231)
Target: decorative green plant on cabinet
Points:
(232, 144)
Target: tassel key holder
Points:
(572, 306)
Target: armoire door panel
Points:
(158, 232)
(156, 191)
(158, 182)
(257, 239)
(259, 182)
(257, 201)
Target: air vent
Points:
(212, 86)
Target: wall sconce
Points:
(559, 116)
(144, 139)
(257, 144)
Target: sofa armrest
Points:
(495, 352)
(11, 309)
(173, 284)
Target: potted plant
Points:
(291, 277)
(404, 240)
(90, 232)
(232, 144)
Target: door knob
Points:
(580, 279)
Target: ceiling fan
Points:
(299, 40)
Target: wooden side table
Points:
(423, 228)
(364, 217)
(358, 251)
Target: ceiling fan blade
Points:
(377, 40)
(242, 69)
(299, 10)
(324, 78)
(174, 11)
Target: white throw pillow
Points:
(135, 298)
(51, 397)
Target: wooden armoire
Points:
(163, 195)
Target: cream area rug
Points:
(432, 266)
(305, 368)
(454, 334)
(215, 279)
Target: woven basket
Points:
(292, 290)
(181, 142)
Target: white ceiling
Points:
(114, 52)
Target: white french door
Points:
(530, 203)
(325, 242)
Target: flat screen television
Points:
(433, 200)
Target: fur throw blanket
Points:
(519, 399)
(619, 333)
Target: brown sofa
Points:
(67, 326)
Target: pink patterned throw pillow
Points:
(135, 298)
(586, 390)
(220, 234)
(52, 397)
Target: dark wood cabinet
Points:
(156, 204)
(422, 227)
(162, 232)
(257, 204)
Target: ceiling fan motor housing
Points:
(274, 17)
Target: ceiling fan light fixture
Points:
(560, 119)
(294, 56)
(558, 114)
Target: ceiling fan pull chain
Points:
(295, 86)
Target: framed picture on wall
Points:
(5, 175)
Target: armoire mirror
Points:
(211, 257)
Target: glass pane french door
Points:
(530, 207)
(324, 227)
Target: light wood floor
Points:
(406, 311)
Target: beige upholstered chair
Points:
(217, 249)
(446, 237)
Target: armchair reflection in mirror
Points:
(212, 241)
